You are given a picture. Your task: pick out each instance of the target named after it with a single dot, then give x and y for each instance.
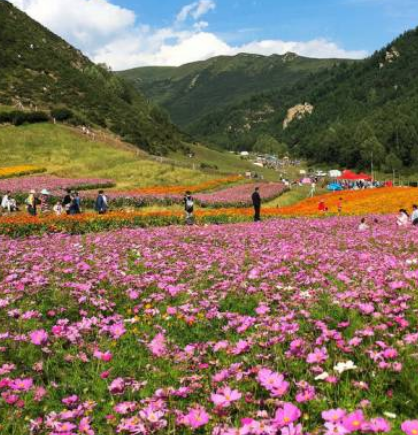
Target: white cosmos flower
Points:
(342, 367)
(322, 376)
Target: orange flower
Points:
(16, 171)
(172, 190)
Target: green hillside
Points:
(39, 70)
(361, 112)
(64, 151)
(197, 89)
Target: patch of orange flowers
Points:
(16, 171)
(172, 190)
(356, 202)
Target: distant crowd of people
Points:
(40, 203)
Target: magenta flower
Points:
(224, 398)
(196, 417)
(377, 425)
(39, 337)
(286, 415)
(117, 386)
(23, 385)
(354, 421)
(410, 427)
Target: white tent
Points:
(335, 173)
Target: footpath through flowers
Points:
(283, 327)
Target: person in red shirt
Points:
(322, 207)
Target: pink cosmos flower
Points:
(354, 421)
(23, 385)
(196, 418)
(286, 415)
(333, 415)
(117, 386)
(104, 356)
(39, 337)
(64, 427)
(117, 330)
(157, 346)
(273, 382)
(335, 429)
(410, 427)
(124, 408)
(84, 427)
(70, 400)
(292, 430)
(377, 425)
(223, 398)
(318, 356)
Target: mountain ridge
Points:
(194, 90)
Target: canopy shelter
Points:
(352, 176)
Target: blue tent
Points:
(334, 187)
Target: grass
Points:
(227, 162)
(64, 152)
(293, 196)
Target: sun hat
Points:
(44, 192)
(32, 191)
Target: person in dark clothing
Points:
(75, 205)
(66, 202)
(101, 204)
(189, 208)
(256, 198)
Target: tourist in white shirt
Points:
(403, 218)
(363, 225)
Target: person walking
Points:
(66, 202)
(256, 198)
(75, 204)
(44, 201)
(313, 190)
(101, 205)
(189, 208)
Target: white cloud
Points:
(195, 10)
(111, 34)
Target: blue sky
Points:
(128, 33)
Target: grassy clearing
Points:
(293, 196)
(226, 162)
(66, 153)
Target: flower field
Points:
(173, 190)
(285, 327)
(18, 171)
(55, 185)
(360, 202)
(239, 196)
